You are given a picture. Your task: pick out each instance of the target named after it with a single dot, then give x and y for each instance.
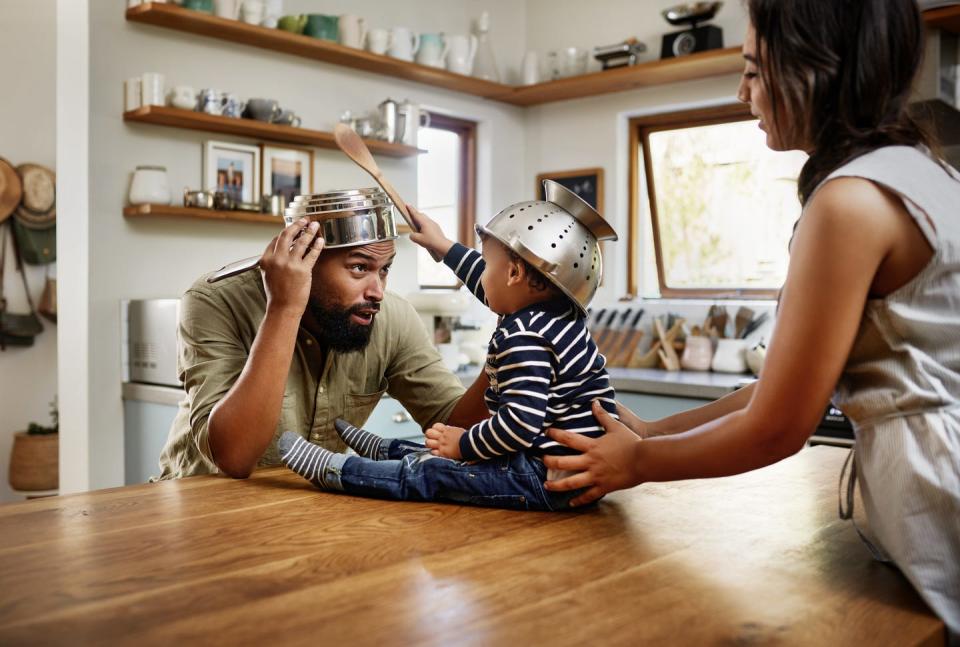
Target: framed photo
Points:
(233, 169)
(586, 183)
(287, 171)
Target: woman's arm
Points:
(844, 236)
(685, 420)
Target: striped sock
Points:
(363, 442)
(306, 459)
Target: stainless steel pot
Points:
(347, 218)
(198, 199)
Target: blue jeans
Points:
(412, 473)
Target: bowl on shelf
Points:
(691, 13)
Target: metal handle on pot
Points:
(233, 269)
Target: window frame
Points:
(466, 130)
(640, 129)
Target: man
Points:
(310, 338)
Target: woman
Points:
(878, 248)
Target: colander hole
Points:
(576, 265)
(561, 235)
(581, 255)
(588, 277)
(554, 245)
(530, 227)
(511, 215)
(539, 220)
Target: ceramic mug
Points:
(233, 106)
(403, 43)
(377, 41)
(206, 6)
(697, 354)
(210, 101)
(287, 118)
(433, 49)
(131, 94)
(151, 89)
(293, 24)
(461, 51)
(229, 9)
(263, 109)
(353, 31)
(730, 356)
(322, 26)
(183, 97)
(252, 11)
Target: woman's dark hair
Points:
(843, 70)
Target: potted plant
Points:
(35, 457)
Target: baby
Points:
(539, 270)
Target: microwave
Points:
(151, 341)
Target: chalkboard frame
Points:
(575, 179)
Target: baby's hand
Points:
(444, 440)
(430, 236)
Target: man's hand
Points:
(444, 440)
(634, 423)
(430, 236)
(607, 463)
(287, 267)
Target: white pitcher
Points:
(403, 43)
(353, 31)
(414, 118)
(461, 50)
(433, 49)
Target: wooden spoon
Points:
(350, 143)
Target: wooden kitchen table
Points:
(755, 559)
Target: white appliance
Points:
(151, 349)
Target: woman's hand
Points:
(287, 267)
(444, 440)
(607, 463)
(430, 236)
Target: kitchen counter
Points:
(689, 384)
(759, 558)
(686, 384)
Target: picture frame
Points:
(233, 169)
(586, 183)
(286, 170)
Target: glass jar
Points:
(150, 186)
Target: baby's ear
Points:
(517, 273)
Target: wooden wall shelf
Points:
(173, 211)
(947, 18)
(686, 68)
(193, 120)
(173, 17)
(621, 79)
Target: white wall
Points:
(139, 259)
(592, 132)
(28, 376)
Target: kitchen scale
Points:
(696, 38)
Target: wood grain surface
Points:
(755, 559)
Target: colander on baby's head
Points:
(558, 236)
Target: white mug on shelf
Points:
(377, 41)
(151, 89)
(131, 94)
(252, 11)
(403, 43)
(461, 51)
(433, 50)
(531, 68)
(183, 97)
(353, 31)
(227, 8)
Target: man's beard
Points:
(336, 331)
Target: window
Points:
(718, 209)
(446, 187)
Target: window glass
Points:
(438, 193)
(725, 206)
